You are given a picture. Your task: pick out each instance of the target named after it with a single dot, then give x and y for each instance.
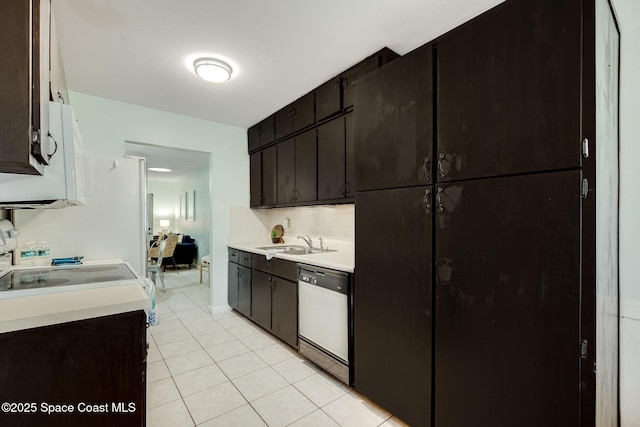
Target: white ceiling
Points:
(140, 51)
(181, 162)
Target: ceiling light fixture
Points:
(160, 170)
(212, 70)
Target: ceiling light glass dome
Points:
(212, 70)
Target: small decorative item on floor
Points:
(277, 233)
(152, 313)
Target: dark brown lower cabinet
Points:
(96, 366)
(239, 281)
(507, 307)
(244, 290)
(275, 305)
(284, 310)
(261, 299)
(393, 301)
(232, 285)
(239, 288)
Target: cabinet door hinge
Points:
(585, 188)
(583, 349)
(585, 148)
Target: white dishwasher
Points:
(324, 329)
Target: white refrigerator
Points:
(113, 223)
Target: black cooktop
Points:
(31, 278)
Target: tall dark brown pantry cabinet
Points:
(508, 91)
(394, 123)
(486, 163)
(393, 300)
(508, 301)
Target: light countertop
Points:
(342, 260)
(36, 310)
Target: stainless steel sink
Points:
(296, 249)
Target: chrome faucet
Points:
(307, 240)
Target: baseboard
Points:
(219, 309)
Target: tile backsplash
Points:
(332, 222)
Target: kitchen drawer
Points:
(277, 267)
(240, 257)
(233, 255)
(244, 258)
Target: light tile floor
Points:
(222, 370)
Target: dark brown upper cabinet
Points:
(297, 169)
(263, 184)
(295, 116)
(336, 95)
(255, 179)
(508, 91)
(269, 176)
(394, 123)
(335, 159)
(24, 84)
(261, 134)
(328, 99)
(361, 69)
(350, 155)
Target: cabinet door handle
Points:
(348, 188)
(441, 166)
(425, 169)
(427, 201)
(439, 199)
(238, 272)
(343, 189)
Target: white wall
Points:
(104, 228)
(165, 204)
(107, 124)
(200, 227)
(628, 12)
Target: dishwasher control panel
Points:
(337, 281)
(307, 278)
